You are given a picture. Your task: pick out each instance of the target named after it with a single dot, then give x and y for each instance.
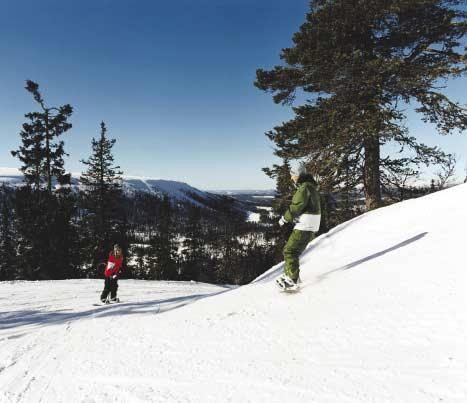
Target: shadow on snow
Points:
(9, 320)
(373, 256)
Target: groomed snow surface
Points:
(381, 317)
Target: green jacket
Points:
(305, 201)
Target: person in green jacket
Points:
(305, 213)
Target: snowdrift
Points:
(381, 318)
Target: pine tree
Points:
(362, 62)
(67, 246)
(284, 186)
(140, 267)
(102, 200)
(285, 189)
(43, 216)
(162, 252)
(41, 152)
(166, 248)
(446, 172)
(193, 250)
(8, 258)
(227, 244)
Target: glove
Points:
(114, 276)
(282, 221)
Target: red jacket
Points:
(113, 265)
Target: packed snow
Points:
(381, 317)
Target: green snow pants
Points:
(294, 247)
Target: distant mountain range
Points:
(258, 198)
(178, 191)
(250, 192)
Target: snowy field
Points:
(381, 317)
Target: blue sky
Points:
(172, 80)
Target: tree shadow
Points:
(373, 256)
(38, 318)
(271, 275)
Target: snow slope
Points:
(381, 318)
(176, 190)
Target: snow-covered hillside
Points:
(381, 318)
(178, 191)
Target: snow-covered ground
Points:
(253, 217)
(381, 317)
(256, 217)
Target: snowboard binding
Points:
(286, 284)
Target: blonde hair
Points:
(117, 250)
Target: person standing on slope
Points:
(112, 270)
(305, 212)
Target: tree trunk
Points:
(372, 180)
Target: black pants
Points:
(110, 286)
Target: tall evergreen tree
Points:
(43, 216)
(162, 252)
(66, 231)
(41, 151)
(8, 257)
(166, 250)
(362, 62)
(102, 200)
(193, 252)
(227, 243)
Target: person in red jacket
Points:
(112, 270)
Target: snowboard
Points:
(287, 289)
(290, 290)
(107, 302)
